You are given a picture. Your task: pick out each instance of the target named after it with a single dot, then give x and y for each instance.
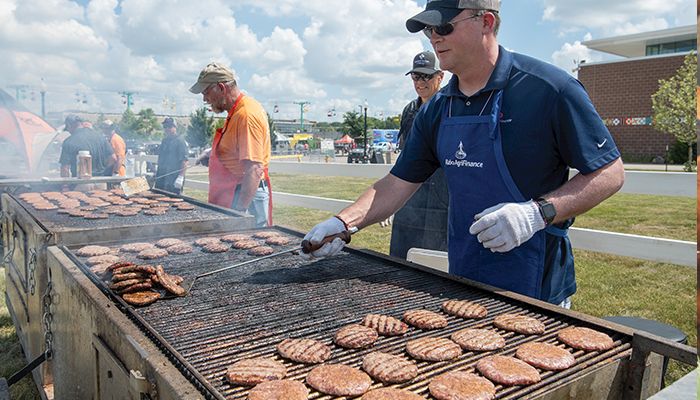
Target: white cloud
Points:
(570, 54)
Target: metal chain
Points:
(11, 252)
(32, 269)
(47, 318)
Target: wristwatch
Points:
(547, 210)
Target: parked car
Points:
(384, 147)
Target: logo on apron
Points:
(460, 161)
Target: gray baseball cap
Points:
(424, 63)
(438, 12)
(212, 73)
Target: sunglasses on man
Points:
(447, 28)
(417, 76)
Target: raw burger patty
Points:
(389, 368)
(183, 248)
(103, 259)
(141, 298)
(150, 254)
(464, 309)
(519, 323)
(385, 325)
(433, 349)
(545, 356)
(461, 385)
(338, 380)
(308, 351)
(279, 390)
(167, 242)
(137, 247)
(252, 371)
(235, 237)
(478, 339)
(391, 394)
(207, 240)
(90, 251)
(265, 234)
(424, 319)
(215, 248)
(355, 336)
(507, 371)
(585, 339)
(261, 251)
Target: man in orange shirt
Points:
(109, 129)
(240, 152)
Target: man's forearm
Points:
(249, 185)
(377, 203)
(583, 192)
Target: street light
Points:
(43, 98)
(365, 157)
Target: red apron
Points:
(222, 183)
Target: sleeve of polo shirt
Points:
(417, 161)
(584, 141)
(251, 145)
(182, 150)
(65, 158)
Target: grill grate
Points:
(245, 312)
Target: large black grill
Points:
(246, 312)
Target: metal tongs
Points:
(306, 247)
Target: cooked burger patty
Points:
(464, 309)
(234, 237)
(545, 356)
(215, 248)
(433, 349)
(261, 251)
(478, 339)
(461, 385)
(278, 240)
(389, 368)
(338, 380)
(103, 259)
(137, 247)
(156, 211)
(308, 351)
(385, 325)
(245, 244)
(183, 248)
(252, 371)
(285, 389)
(390, 394)
(137, 287)
(265, 234)
(177, 279)
(355, 336)
(124, 284)
(129, 275)
(92, 250)
(151, 254)
(585, 339)
(168, 283)
(141, 298)
(519, 323)
(425, 319)
(167, 242)
(184, 207)
(508, 371)
(149, 269)
(206, 240)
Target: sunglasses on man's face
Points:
(445, 29)
(417, 76)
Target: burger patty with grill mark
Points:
(215, 248)
(585, 339)
(385, 325)
(136, 247)
(183, 248)
(124, 284)
(167, 242)
(338, 380)
(285, 389)
(151, 254)
(265, 234)
(478, 339)
(130, 275)
(261, 251)
(461, 385)
(390, 394)
(464, 309)
(433, 349)
(142, 298)
(308, 351)
(234, 237)
(519, 324)
(149, 269)
(389, 368)
(278, 240)
(355, 336)
(252, 371)
(508, 371)
(545, 356)
(137, 287)
(245, 244)
(206, 240)
(168, 282)
(425, 319)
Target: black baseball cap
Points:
(169, 122)
(424, 63)
(439, 12)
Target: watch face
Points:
(548, 210)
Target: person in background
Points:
(84, 138)
(172, 159)
(241, 149)
(506, 129)
(109, 129)
(422, 221)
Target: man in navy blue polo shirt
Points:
(506, 129)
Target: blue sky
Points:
(331, 53)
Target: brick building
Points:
(621, 89)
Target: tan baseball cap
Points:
(212, 73)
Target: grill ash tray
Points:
(245, 312)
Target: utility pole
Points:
(129, 99)
(301, 111)
(43, 98)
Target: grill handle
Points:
(308, 247)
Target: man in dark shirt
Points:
(82, 138)
(172, 159)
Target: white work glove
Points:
(387, 222)
(179, 181)
(506, 226)
(331, 226)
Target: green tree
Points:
(674, 106)
(142, 126)
(128, 125)
(353, 125)
(201, 128)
